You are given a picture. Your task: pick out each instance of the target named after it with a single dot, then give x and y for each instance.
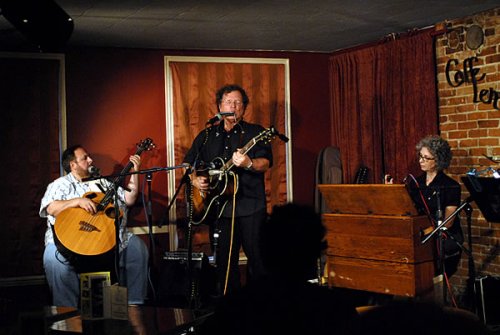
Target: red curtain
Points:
(383, 101)
(29, 132)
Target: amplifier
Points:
(182, 256)
(488, 299)
(182, 286)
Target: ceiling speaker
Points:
(42, 22)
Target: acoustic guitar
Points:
(77, 232)
(220, 181)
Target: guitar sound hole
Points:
(110, 212)
(91, 196)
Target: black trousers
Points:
(245, 233)
(452, 256)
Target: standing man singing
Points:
(241, 226)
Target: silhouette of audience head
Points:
(284, 302)
(411, 317)
(292, 241)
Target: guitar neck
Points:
(229, 164)
(111, 192)
(118, 180)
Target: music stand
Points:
(485, 191)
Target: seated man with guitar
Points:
(229, 160)
(78, 226)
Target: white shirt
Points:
(67, 188)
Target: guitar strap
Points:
(233, 217)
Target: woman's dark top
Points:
(444, 188)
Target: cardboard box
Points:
(92, 294)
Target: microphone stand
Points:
(121, 175)
(119, 267)
(209, 126)
(119, 264)
(448, 219)
(120, 275)
(441, 261)
(149, 219)
(440, 229)
(172, 201)
(471, 288)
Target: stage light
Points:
(42, 22)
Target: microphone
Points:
(203, 166)
(94, 171)
(216, 118)
(187, 168)
(219, 117)
(219, 173)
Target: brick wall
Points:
(469, 113)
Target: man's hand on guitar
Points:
(201, 183)
(134, 178)
(57, 206)
(241, 160)
(133, 183)
(136, 161)
(87, 204)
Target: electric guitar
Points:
(77, 232)
(221, 181)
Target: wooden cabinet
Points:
(374, 240)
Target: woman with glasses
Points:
(438, 196)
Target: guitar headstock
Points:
(361, 175)
(267, 135)
(145, 145)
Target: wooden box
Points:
(374, 240)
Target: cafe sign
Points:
(467, 73)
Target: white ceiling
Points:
(279, 25)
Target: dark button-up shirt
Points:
(215, 143)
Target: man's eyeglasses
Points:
(82, 159)
(231, 102)
(425, 158)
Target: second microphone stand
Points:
(440, 230)
(117, 179)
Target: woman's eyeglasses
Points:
(425, 158)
